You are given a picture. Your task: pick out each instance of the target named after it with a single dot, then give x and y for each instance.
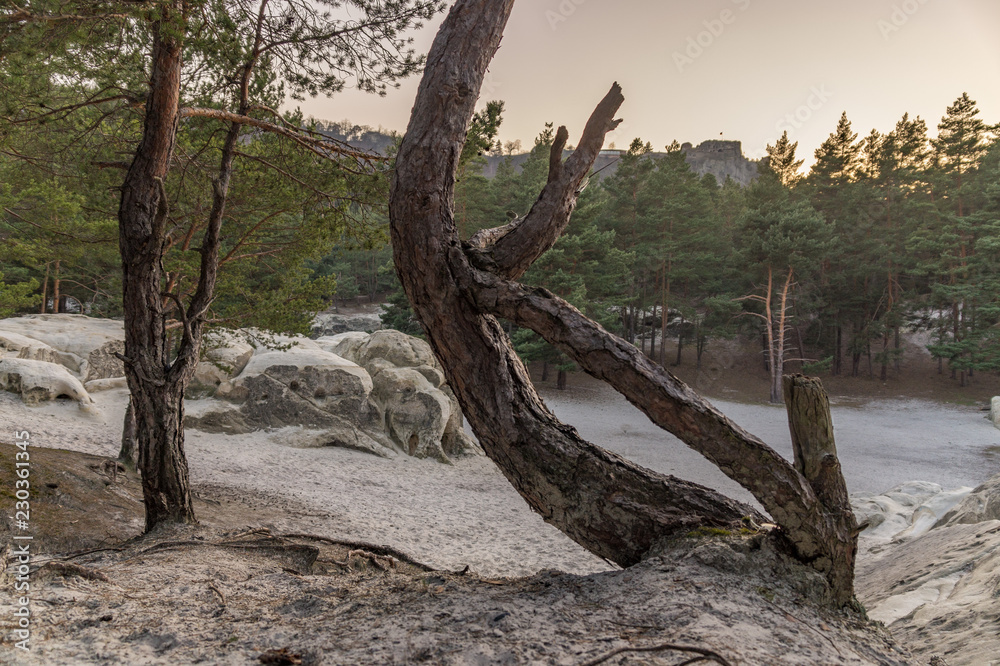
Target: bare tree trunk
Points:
(561, 380)
(884, 372)
(665, 293)
(772, 358)
(897, 346)
(838, 351)
(652, 335)
(45, 290)
(680, 342)
(815, 457)
(610, 506)
(55, 289)
(778, 355)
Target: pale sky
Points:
(749, 69)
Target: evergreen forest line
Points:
(887, 232)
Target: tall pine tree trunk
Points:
(156, 390)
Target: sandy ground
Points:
(227, 609)
(450, 516)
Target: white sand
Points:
(448, 516)
(467, 514)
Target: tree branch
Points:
(510, 250)
(668, 402)
(326, 149)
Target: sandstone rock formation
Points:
(981, 505)
(722, 159)
(331, 323)
(995, 411)
(382, 393)
(84, 345)
(929, 569)
(401, 395)
(40, 381)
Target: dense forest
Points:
(891, 231)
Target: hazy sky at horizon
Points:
(748, 69)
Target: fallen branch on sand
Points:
(703, 654)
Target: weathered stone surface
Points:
(345, 345)
(455, 441)
(228, 351)
(39, 381)
(15, 342)
(90, 342)
(343, 435)
(301, 387)
(980, 505)
(414, 411)
(266, 381)
(389, 349)
(328, 323)
(400, 349)
(298, 387)
(215, 416)
(722, 159)
(108, 384)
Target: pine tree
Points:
(781, 160)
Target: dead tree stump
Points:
(815, 457)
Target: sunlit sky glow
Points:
(754, 64)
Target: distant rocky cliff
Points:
(722, 159)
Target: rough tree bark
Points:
(815, 457)
(154, 382)
(610, 506)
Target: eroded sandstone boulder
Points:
(981, 505)
(40, 381)
(414, 411)
(84, 345)
(225, 354)
(383, 393)
(397, 394)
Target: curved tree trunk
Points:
(612, 507)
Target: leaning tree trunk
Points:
(611, 506)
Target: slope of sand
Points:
(229, 608)
(450, 516)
